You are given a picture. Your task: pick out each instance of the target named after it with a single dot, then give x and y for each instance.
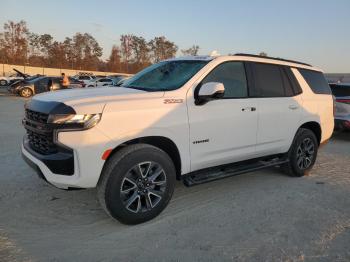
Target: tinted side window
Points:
(295, 84)
(43, 82)
(84, 77)
(232, 75)
(316, 81)
(288, 89)
(268, 80)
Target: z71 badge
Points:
(173, 101)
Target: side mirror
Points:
(209, 91)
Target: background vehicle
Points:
(18, 83)
(121, 81)
(85, 78)
(342, 105)
(100, 82)
(117, 79)
(39, 85)
(75, 83)
(197, 119)
(5, 81)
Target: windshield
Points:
(165, 76)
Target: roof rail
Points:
(273, 58)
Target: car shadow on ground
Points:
(342, 135)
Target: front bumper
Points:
(61, 162)
(84, 164)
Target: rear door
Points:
(279, 107)
(41, 85)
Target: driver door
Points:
(223, 130)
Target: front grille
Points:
(39, 132)
(36, 116)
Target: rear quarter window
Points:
(316, 81)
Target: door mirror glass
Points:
(209, 91)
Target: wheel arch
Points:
(161, 142)
(315, 127)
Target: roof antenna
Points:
(214, 53)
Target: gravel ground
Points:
(260, 216)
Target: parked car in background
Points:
(20, 82)
(100, 82)
(121, 81)
(85, 78)
(117, 79)
(5, 81)
(342, 105)
(39, 85)
(75, 83)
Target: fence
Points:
(7, 69)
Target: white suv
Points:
(197, 119)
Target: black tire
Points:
(26, 92)
(3, 82)
(302, 153)
(119, 183)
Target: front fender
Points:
(181, 142)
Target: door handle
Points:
(293, 107)
(248, 109)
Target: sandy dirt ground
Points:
(260, 216)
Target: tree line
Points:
(20, 46)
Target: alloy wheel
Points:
(143, 187)
(26, 93)
(305, 153)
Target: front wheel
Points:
(26, 92)
(136, 184)
(302, 154)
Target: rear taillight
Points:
(346, 101)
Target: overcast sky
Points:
(317, 32)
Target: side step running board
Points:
(211, 174)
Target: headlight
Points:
(74, 121)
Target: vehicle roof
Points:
(251, 58)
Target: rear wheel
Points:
(302, 154)
(137, 183)
(26, 92)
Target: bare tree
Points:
(162, 48)
(113, 63)
(126, 49)
(14, 42)
(192, 51)
(140, 50)
(263, 54)
(86, 51)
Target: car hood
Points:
(83, 100)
